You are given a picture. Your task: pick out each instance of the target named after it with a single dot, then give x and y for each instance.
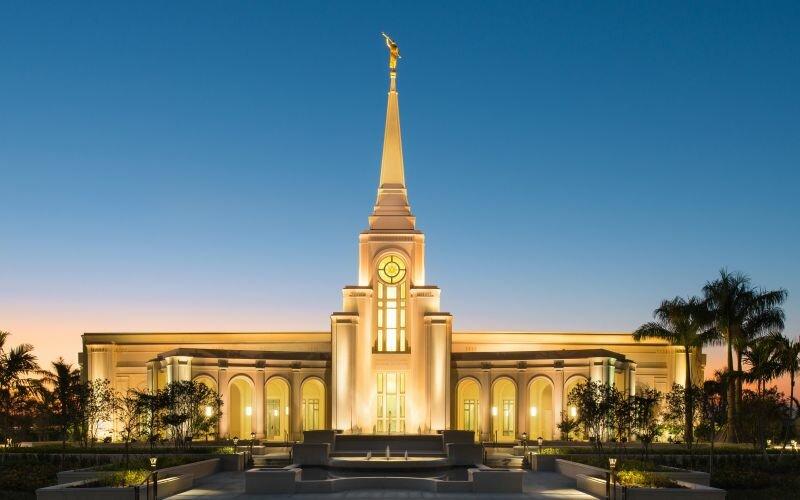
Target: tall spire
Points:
(391, 208)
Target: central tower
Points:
(390, 347)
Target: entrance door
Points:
(274, 419)
(391, 403)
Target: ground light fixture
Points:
(525, 461)
(154, 467)
(252, 441)
(611, 489)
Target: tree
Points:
(191, 409)
(685, 323)
(712, 412)
(16, 364)
(762, 416)
(129, 415)
(646, 425)
(761, 355)
(151, 406)
(98, 400)
(63, 387)
(567, 426)
(740, 311)
(674, 415)
(787, 356)
(594, 402)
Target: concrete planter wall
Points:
(199, 469)
(690, 491)
(572, 469)
(543, 463)
(72, 491)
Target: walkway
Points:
(538, 485)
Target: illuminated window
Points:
(391, 305)
(392, 269)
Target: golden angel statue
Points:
(394, 52)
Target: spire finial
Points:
(394, 52)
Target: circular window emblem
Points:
(392, 269)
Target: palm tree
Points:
(62, 385)
(787, 354)
(15, 364)
(685, 323)
(740, 311)
(760, 354)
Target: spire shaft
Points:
(391, 208)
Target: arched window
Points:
(392, 292)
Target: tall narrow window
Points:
(391, 305)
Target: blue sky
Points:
(208, 165)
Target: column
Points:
(523, 403)
(222, 390)
(438, 330)
(343, 343)
(485, 401)
(558, 395)
(631, 378)
(258, 400)
(295, 414)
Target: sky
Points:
(180, 166)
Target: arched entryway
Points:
(313, 404)
(240, 412)
(276, 410)
(504, 409)
(540, 408)
(468, 394)
(570, 384)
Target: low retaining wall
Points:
(73, 491)
(572, 469)
(485, 480)
(690, 491)
(199, 469)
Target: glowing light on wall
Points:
(275, 412)
(494, 411)
(287, 410)
(248, 410)
(209, 411)
(533, 411)
(573, 412)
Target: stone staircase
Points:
(504, 461)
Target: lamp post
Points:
(540, 440)
(794, 444)
(235, 444)
(526, 464)
(252, 441)
(154, 468)
(612, 465)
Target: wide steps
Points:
(504, 461)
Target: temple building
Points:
(391, 361)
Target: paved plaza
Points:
(537, 485)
